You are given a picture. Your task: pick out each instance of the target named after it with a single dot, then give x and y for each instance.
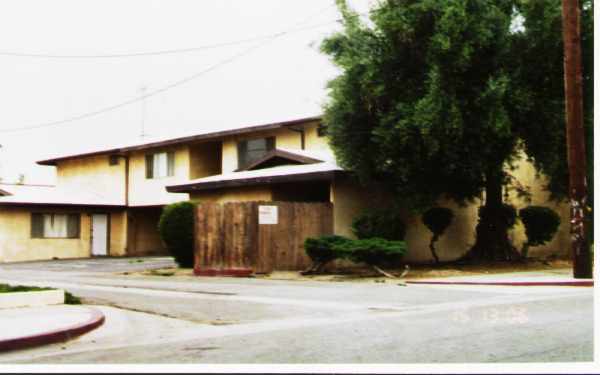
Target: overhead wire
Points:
(169, 86)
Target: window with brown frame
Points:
(160, 164)
(53, 225)
(250, 150)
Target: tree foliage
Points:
(422, 96)
(382, 223)
(436, 99)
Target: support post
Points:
(582, 267)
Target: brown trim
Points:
(70, 205)
(282, 154)
(200, 137)
(253, 181)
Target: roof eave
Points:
(193, 138)
(254, 181)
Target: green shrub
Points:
(176, 228)
(541, 224)
(386, 224)
(71, 299)
(437, 220)
(320, 250)
(372, 251)
(508, 213)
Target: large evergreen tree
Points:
(434, 101)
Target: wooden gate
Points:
(262, 236)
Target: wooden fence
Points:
(262, 236)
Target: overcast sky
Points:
(280, 79)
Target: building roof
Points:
(266, 176)
(47, 195)
(173, 141)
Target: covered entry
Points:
(257, 236)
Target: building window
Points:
(160, 164)
(251, 150)
(55, 225)
(321, 130)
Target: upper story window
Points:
(55, 225)
(321, 130)
(160, 164)
(251, 150)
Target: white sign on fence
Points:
(267, 215)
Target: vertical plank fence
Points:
(231, 239)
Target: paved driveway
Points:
(155, 319)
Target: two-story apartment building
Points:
(108, 202)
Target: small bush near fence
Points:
(386, 224)
(541, 224)
(371, 251)
(374, 252)
(176, 228)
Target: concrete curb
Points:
(50, 337)
(587, 283)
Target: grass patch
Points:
(5, 288)
(70, 299)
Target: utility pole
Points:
(582, 267)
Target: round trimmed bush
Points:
(437, 220)
(386, 224)
(176, 228)
(541, 224)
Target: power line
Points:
(169, 51)
(157, 91)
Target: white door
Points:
(99, 234)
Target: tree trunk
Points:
(432, 248)
(492, 242)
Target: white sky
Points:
(282, 80)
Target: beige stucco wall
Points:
(146, 192)
(560, 244)
(143, 236)
(94, 174)
(205, 159)
(16, 244)
(350, 199)
(243, 194)
(284, 138)
(118, 234)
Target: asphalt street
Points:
(157, 319)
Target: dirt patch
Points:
(427, 271)
(358, 274)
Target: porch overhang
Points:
(257, 181)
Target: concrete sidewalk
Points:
(560, 277)
(33, 326)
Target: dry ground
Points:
(361, 274)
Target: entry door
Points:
(99, 234)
